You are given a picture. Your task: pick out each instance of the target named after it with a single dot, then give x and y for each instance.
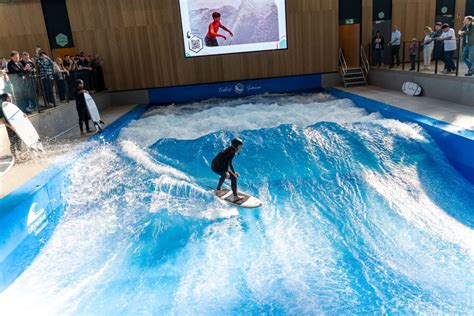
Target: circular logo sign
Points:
(61, 40)
(381, 15)
(444, 10)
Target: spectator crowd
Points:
(27, 79)
(438, 44)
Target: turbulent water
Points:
(361, 215)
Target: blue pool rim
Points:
(18, 248)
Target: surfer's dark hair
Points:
(216, 15)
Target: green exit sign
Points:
(349, 21)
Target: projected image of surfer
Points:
(213, 34)
(215, 27)
(246, 22)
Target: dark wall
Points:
(350, 10)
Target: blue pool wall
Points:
(19, 246)
(20, 243)
(456, 143)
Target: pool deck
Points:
(23, 172)
(452, 113)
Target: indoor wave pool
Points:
(361, 214)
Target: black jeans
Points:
(412, 61)
(448, 59)
(378, 56)
(48, 91)
(395, 55)
(62, 88)
(233, 180)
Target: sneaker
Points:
(469, 74)
(445, 71)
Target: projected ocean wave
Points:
(361, 215)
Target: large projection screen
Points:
(215, 27)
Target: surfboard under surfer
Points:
(222, 165)
(213, 31)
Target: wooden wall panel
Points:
(22, 28)
(412, 16)
(142, 45)
(367, 21)
(459, 13)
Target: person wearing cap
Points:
(81, 107)
(15, 140)
(222, 165)
(449, 40)
(413, 52)
(438, 52)
(467, 37)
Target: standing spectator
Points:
(5, 84)
(30, 84)
(46, 71)
(413, 52)
(467, 36)
(97, 64)
(60, 75)
(17, 77)
(438, 45)
(395, 43)
(378, 45)
(427, 48)
(449, 39)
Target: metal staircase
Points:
(355, 76)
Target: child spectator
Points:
(413, 52)
(81, 107)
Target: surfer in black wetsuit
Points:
(81, 106)
(222, 165)
(15, 141)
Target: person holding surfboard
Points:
(213, 33)
(81, 107)
(222, 165)
(15, 140)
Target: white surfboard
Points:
(247, 200)
(23, 127)
(6, 163)
(93, 112)
(411, 88)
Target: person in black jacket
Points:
(81, 106)
(222, 165)
(378, 45)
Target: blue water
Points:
(360, 215)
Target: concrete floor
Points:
(455, 114)
(55, 149)
(461, 72)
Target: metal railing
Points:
(33, 94)
(364, 61)
(342, 62)
(416, 61)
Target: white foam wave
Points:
(202, 119)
